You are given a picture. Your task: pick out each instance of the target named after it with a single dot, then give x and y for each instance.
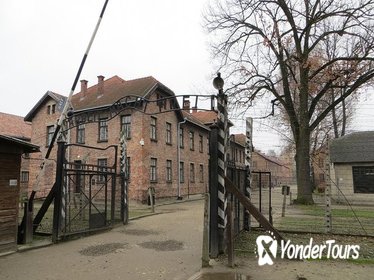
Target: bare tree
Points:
(276, 47)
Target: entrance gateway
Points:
(91, 197)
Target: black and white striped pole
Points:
(248, 166)
(67, 103)
(222, 145)
(124, 178)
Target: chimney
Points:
(84, 87)
(186, 105)
(100, 85)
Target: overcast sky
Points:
(43, 41)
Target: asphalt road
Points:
(163, 246)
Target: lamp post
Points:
(222, 146)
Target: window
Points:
(102, 163)
(153, 170)
(363, 179)
(103, 130)
(50, 132)
(201, 175)
(81, 134)
(168, 171)
(192, 141)
(24, 176)
(168, 133)
(201, 145)
(181, 172)
(153, 128)
(181, 138)
(126, 126)
(51, 109)
(192, 172)
(320, 162)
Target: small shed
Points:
(11, 150)
(352, 158)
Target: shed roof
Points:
(26, 146)
(354, 147)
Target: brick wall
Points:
(39, 137)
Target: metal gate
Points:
(88, 197)
(238, 176)
(261, 194)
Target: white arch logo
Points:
(266, 249)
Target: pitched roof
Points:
(190, 118)
(271, 159)
(114, 89)
(354, 147)
(26, 146)
(239, 138)
(60, 100)
(208, 117)
(15, 126)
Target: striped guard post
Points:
(248, 161)
(125, 176)
(222, 158)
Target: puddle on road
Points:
(168, 245)
(223, 276)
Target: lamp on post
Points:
(218, 83)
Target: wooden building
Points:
(11, 150)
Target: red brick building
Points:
(280, 173)
(167, 151)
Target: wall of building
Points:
(342, 176)
(198, 158)
(10, 163)
(39, 137)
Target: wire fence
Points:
(350, 219)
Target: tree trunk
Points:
(304, 184)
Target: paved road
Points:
(164, 246)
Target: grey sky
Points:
(43, 41)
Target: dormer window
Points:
(51, 109)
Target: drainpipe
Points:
(179, 158)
